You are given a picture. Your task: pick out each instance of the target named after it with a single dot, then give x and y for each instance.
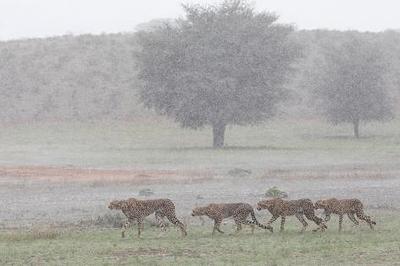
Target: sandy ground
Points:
(31, 196)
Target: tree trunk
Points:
(356, 125)
(219, 135)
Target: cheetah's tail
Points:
(253, 216)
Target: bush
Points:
(274, 192)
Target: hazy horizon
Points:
(20, 19)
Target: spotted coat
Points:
(283, 208)
(341, 207)
(137, 210)
(239, 212)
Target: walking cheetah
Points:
(342, 207)
(282, 208)
(239, 212)
(135, 209)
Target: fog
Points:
(266, 132)
(43, 18)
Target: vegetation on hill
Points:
(95, 76)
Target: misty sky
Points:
(40, 18)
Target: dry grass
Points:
(330, 173)
(35, 233)
(100, 246)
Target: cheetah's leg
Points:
(238, 227)
(239, 220)
(245, 221)
(240, 217)
(300, 217)
(283, 219)
(273, 219)
(310, 215)
(340, 222)
(172, 218)
(360, 214)
(217, 224)
(140, 226)
(125, 227)
(352, 218)
(327, 215)
(160, 220)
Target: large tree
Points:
(220, 65)
(350, 86)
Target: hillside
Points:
(93, 76)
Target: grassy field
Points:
(106, 247)
(296, 146)
(164, 145)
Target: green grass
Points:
(106, 247)
(164, 145)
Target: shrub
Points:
(274, 192)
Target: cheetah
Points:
(239, 212)
(282, 208)
(344, 206)
(137, 210)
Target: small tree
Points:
(350, 84)
(220, 65)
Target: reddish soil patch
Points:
(68, 174)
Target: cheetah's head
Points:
(116, 204)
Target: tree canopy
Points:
(220, 65)
(350, 85)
